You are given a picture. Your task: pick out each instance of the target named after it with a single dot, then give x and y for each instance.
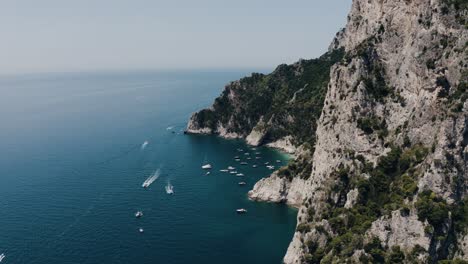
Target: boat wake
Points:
(143, 146)
(151, 179)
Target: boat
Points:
(223, 170)
(206, 166)
(169, 189)
(271, 167)
(242, 183)
(207, 173)
(151, 179)
(138, 214)
(257, 153)
(141, 230)
(231, 168)
(258, 157)
(239, 174)
(254, 166)
(233, 172)
(241, 211)
(237, 159)
(2, 256)
(278, 161)
(266, 163)
(243, 163)
(249, 158)
(247, 154)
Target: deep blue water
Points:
(71, 169)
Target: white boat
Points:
(239, 174)
(237, 159)
(278, 161)
(249, 158)
(242, 183)
(2, 256)
(246, 153)
(254, 166)
(258, 157)
(169, 189)
(138, 214)
(241, 211)
(231, 168)
(257, 153)
(271, 167)
(207, 173)
(151, 179)
(141, 230)
(223, 170)
(243, 163)
(206, 166)
(233, 172)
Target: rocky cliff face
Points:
(381, 171)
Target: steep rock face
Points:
(401, 85)
(382, 174)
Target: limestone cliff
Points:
(381, 171)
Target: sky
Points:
(92, 35)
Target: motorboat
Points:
(138, 214)
(231, 168)
(254, 166)
(141, 230)
(243, 163)
(223, 170)
(239, 174)
(242, 183)
(206, 166)
(241, 211)
(169, 189)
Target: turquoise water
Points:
(71, 169)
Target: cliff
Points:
(379, 127)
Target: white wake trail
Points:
(151, 179)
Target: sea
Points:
(76, 148)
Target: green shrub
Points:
(432, 208)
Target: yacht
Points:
(241, 211)
(231, 168)
(138, 214)
(206, 166)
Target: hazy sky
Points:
(86, 35)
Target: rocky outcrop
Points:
(386, 170)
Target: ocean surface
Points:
(73, 161)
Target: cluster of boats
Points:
(232, 170)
